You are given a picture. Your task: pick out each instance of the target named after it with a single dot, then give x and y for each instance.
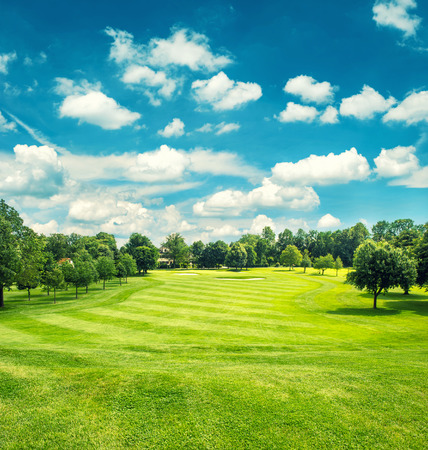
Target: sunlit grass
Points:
(290, 360)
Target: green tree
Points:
(376, 267)
(57, 244)
(146, 258)
(237, 256)
(306, 260)
(176, 248)
(67, 268)
(136, 240)
(324, 262)
(290, 256)
(120, 272)
(106, 269)
(251, 256)
(9, 256)
(32, 260)
(421, 253)
(130, 265)
(54, 279)
(196, 250)
(338, 265)
(407, 273)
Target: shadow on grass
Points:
(364, 312)
(417, 306)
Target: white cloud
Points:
(224, 127)
(297, 113)
(220, 128)
(232, 202)
(365, 104)
(185, 48)
(225, 94)
(396, 162)
(123, 48)
(172, 221)
(328, 221)
(160, 165)
(260, 222)
(295, 224)
(413, 109)
(324, 169)
(86, 103)
(418, 179)
(6, 126)
(35, 171)
(329, 115)
(5, 60)
(394, 13)
(173, 129)
(226, 230)
(48, 228)
(309, 89)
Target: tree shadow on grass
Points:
(365, 312)
(419, 307)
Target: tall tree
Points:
(9, 256)
(324, 262)
(130, 265)
(176, 248)
(146, 258)
(54, 279)
(376, 267)
(338, 265)
(306, 260)
(290, 256)
(237, 256)
(32, 260)
(136, 240)
(106, 269)
(196, 250)
(251, 256)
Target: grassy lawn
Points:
(276, 359)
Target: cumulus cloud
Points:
(222, 93)
(155, 84)
(48, 228)
(88, 104)
(418, 179)
(329, 116)
(6, 126)
(186, 48)
(172, 221)
(35, 171)
(395, 14)
(173, 129)
(297, 113)
(396, 162)
(365, 104)
(233, 202)
(324, 170)
(226, 230)
(260, 222)
(413, 109)
(5, 60)
(160, 165)
(328, 221)
(309, 89)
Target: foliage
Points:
(251, 256)
(146, 258)
(54, 279)
(324, 262)
(236, 256)
(176, 248)
(106, 269)
(338, 265)
(306, 260)
(129, 263)
(290, 256)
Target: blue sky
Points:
(213, 120)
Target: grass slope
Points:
(289, 361)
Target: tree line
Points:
(59, 261)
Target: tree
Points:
(106, 269)
(290, 256)
(146, 258)
(306, 260)
(67, 268)
(54, 279)
(176, 248)
(9, 259)
(120, 272)
(32, 260)
(196, 250)
(136, 240)
(421, 253)
(338, 265)
(237, 256)
(407, 273)
(130, 265)
(57, 245)
(251, 256)
(268, 235)
(376, 267)
(324, 262)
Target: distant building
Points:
(63, 260)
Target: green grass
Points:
(289, 361)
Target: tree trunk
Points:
(76, 291)
(1, 296)
(48, 290)
(120, 281)
(104, 284)
(54, 295)
(86, 288)
(376, 293)
(29, 295)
